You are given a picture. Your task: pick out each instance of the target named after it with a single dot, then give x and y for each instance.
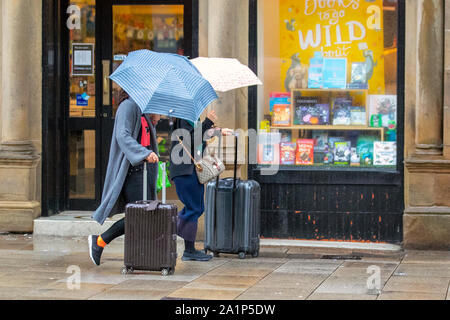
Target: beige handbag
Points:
(209, 167)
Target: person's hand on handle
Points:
(215, 132)
(227, 132)
(152, 158)
(212, 116)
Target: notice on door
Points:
(83, 59)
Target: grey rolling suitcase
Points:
(232, 217)
(150, 235)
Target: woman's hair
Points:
(123, 95)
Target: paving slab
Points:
(340, 296)
(57, 291)
(264, 293)
(309, 266)
(385, 273)
(424, 270)
(148, 285)
(227, 282)
(7, 293)
(319, 253)
(205, 294)
(425, 256)
(366, 264)
(393, 295)
(417, 284)
(344, 285)
(24, 283)
(130, 295)
(292, 281)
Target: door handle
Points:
(106, 83)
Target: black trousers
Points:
(132, 191)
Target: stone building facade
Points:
(224, 31)
(20, 120)
(427, 124)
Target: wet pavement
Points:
(60, 268)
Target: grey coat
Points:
(125, 150)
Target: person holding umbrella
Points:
(189, 190)
(134, 141)
(155, 83)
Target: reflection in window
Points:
(81, 57)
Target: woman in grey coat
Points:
(123, 183)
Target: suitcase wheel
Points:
(255, 254)
(241, 255)
(166, 271)
(127, 270)
(216, 254)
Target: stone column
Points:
(430, 66)
(21, 96)
(447, 81)
(227, 36)
(427, 171)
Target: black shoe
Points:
(95, 251)
(196, 255)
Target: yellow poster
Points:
(351, 30)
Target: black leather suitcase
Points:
(232, 217)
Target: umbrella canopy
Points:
(226, 74)
(164, 83)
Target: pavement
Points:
(57, 268)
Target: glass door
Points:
(83, 124)
(146, 26)
(109, 30)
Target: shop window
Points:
(154, 27)
(329, 70)
(81, 57)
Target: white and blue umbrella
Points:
(164, 83)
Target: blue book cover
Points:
(315, 80)
(335, 73)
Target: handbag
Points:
(209, 167)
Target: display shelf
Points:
(332, 128)
(329, 127)
(358, 96)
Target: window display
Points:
(330, 83)
(81, 58)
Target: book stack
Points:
(308, 111)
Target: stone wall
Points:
(223, 32)
(21, 110)
(427, 119)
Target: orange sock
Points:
(100, 242)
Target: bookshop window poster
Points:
(339, 43)
(330, 83)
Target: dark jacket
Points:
(184, 168)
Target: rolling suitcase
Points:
(150, 235)
(232, 218)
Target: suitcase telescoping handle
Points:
(233, 190)
(144, 185)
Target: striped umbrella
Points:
(164, 83)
